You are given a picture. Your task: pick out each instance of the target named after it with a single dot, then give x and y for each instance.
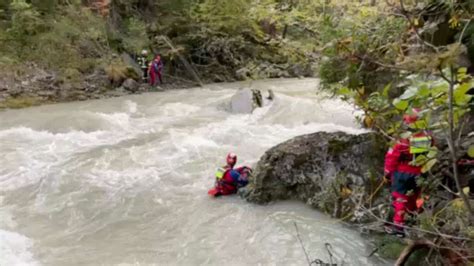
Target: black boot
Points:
(395, 230)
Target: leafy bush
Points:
(25, 22)
(135, 38)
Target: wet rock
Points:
(271, 95)
(127, 59)
(245, 101)
(131, 85)
(117, 92)
(46, 93)
(301, 70)
(242, 73)
(99, 77)
(313, 168)
(15, 91)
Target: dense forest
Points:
(385, 57)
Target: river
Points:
(123, 181)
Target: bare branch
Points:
(419, 229)
(412, 247)
(464, 29)
(404, 13)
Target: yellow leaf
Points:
(428, 165)
(345, 192)
(458, 204)
(454, 22)
(470, 151)
(466, 190)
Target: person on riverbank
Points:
(143, 62)
(155, 70)
(230, 179)
(402, 170)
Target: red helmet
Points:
(231, 159)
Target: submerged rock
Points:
(318, 169)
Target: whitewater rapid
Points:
(124, 181)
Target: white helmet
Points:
(144, 52)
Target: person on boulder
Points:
(142, 61)
(230, 179)
(155, 68)
(402, 169)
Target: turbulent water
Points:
(125, 180)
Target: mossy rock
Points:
(390, 247)
(20, 102)
(72, 74)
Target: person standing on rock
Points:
(155, 69)
(402, 169)
(142, 61)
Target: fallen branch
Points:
(411, 248)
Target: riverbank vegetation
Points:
(386, 57)
(389, 58)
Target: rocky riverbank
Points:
(40, 86)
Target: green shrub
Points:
(25, 22)
(135, 38)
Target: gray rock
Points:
(242, 73)
(46, 93)
(15, 91)
(313, 168)
(245, 101)
(3, 85)
(301, 70)
(242, 102)
(271, 95)
(132, 64)
(117, 92)
(131, 85)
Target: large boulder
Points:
(321, 169)
(245, 101)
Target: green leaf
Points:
(386, 90)
(432, 153)
(409, 93)
(400, 104)
(460, 94)
(420, 160)
(344, 91)
(428, 165)
(424, 91)
(462, 73)
(439, 88)
(421, 124)
(470, 151)
(405, 134)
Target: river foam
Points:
(125, 180)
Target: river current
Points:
(124, 181)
